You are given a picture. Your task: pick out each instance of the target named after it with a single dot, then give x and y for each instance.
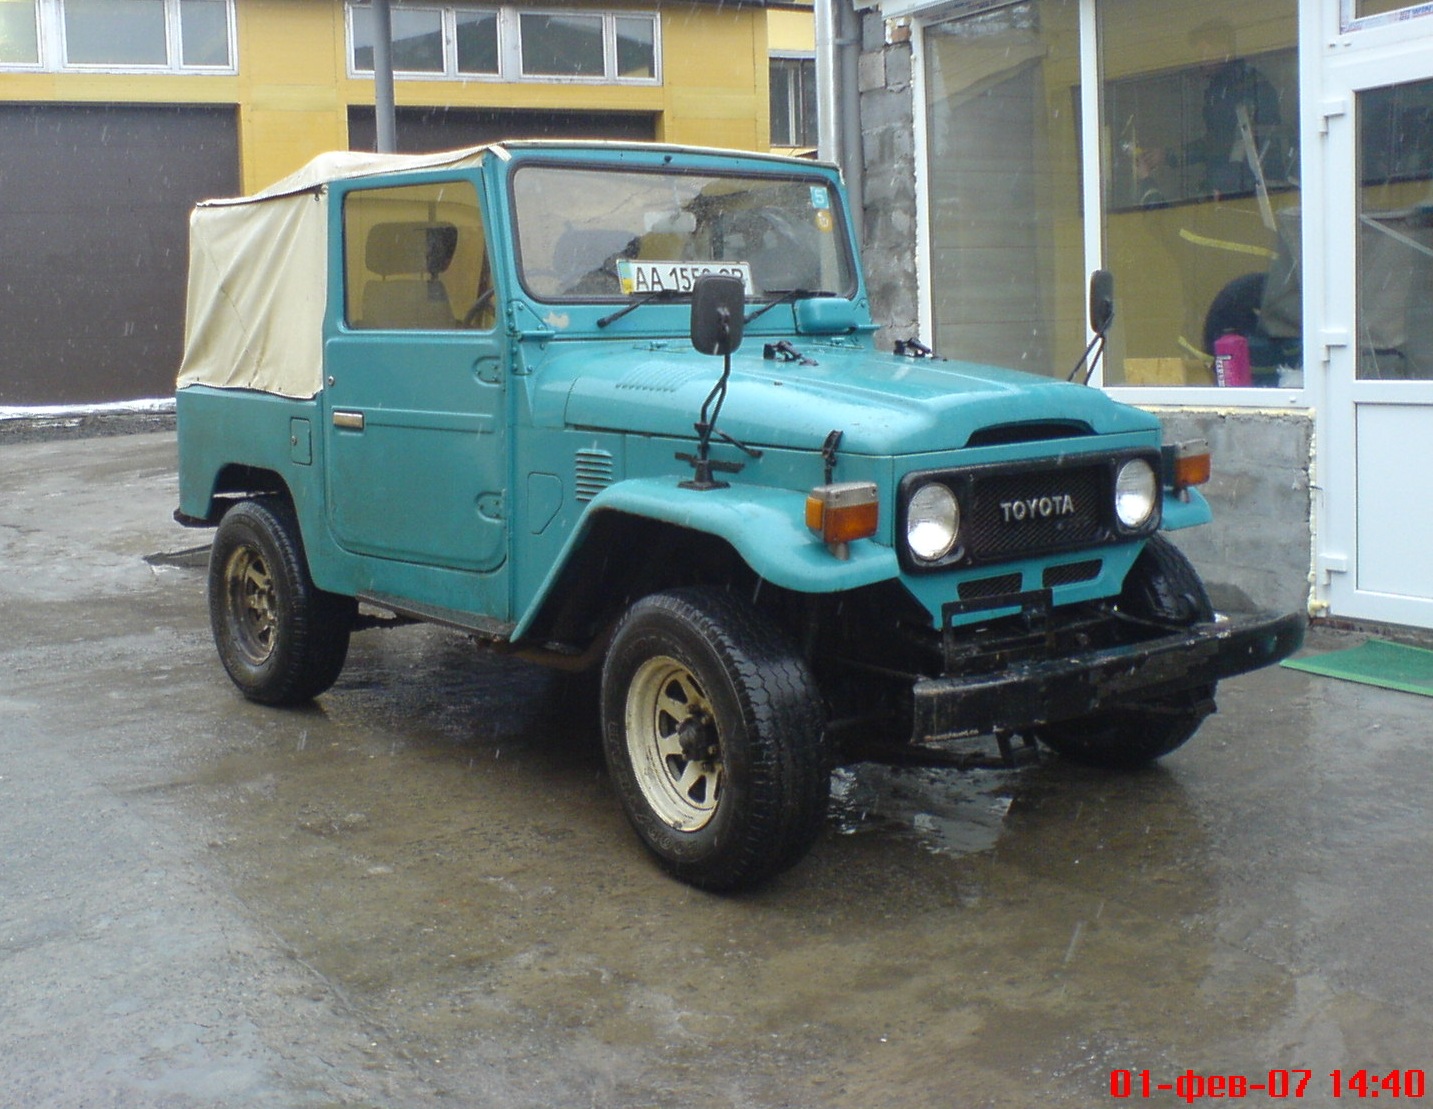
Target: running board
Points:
(487, 627)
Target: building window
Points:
(1201, 212)
(1190, 150)
(502, 43)
(636, 46)
(1006, 258)
(19, 33)
(204, 33)
(476, 39)
(173, 35)
(562, 45)
(417, 41)
(115, 32)
(793, 102)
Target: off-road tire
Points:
(282, 640)
(753, 807)
(1164, 587)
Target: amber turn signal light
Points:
(1186, 464)
(843, 512)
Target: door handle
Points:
(349, 421)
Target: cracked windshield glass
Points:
(608, 234)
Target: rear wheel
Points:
(1162, 586)
(712, 731)
(282, 640)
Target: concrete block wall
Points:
(1258, 552)
(888, 140)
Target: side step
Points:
(497, 630)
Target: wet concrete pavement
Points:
(420, 891)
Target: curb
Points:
(91, 425)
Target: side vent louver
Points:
(594, 473)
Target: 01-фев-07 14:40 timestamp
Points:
(1280, 1083)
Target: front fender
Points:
(1181, 513)
(765, 525)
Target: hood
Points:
(885, 405)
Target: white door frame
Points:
(1347, 64)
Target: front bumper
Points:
(1027, 694)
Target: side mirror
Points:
(1102, 301)
(718, 303)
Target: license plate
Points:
(639, 278)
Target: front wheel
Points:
(712, 731)
(282, 640)
(1163, 587)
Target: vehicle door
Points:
(415, 411)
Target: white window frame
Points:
(793, 56)
(1349, 21)
(510, 45)
(50, 19)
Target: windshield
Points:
(606, 234)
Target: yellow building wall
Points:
(291, 62)
(292, 90)
(719, 96)
(791, 31)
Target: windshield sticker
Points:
(820, 198)
(643, 277)
(823, 221)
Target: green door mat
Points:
(1376, 662)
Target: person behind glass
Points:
(1233, 88)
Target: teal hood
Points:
(885, 405)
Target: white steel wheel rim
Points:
(665, 705)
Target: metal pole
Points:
(383, 78)
(838, 107)
(828, 145)
(848, 95)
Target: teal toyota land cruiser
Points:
(619, 408)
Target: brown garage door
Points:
(94, 224)
(420, 130)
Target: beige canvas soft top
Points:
(258, 275)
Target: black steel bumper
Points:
(1027, 694)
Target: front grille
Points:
(998, 586)
(1008, 515)
(1072, 573)
(1030, 509)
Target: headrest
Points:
(408, 248)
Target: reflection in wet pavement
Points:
(948, 812)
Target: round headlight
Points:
(932, 522)
(1136, 493)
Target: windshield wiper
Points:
(632, 306)
(786, 297)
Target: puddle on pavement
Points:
(947, 812)
(189, 558)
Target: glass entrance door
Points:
(1378, 557)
